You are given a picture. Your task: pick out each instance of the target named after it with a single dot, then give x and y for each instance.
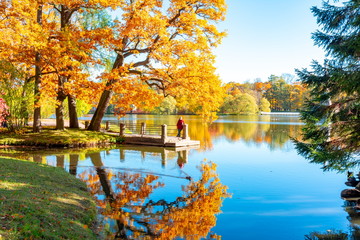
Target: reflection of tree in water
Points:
(275, 135)
(133, 215)
(248, 128)
(278, 135)
(201, 131)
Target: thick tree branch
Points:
(142, 63)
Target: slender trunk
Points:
(24, 109)
(37, 109)
(73, 118)
(59, 111)
(105, 98)
(100, 110)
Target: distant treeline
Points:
(278, 94)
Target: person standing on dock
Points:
(180, 126)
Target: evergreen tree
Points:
(332, 130)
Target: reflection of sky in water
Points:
(277, 194)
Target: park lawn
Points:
(55, 138)
(43, 202)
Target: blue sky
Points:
(267, 37)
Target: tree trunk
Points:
(73, 118)
(100, 110)
(37, 109)
(105, 98)
(59, 111)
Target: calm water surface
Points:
(276, 194)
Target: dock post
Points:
(122, 155)
(163, 133)
(185, 132)
(107, 125)
(186, 155)
(143, 127)
(122, 129)
(163, 158)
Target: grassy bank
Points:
(43, 202)
(55, 138)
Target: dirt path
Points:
(52, 122)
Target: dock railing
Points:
(164, 131)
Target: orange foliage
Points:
(160, 47)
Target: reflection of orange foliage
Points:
(189, 216)
(200, 131)
(268, 139)
(203, 199)
(258, 139)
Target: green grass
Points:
(43, 202)
(56, 138)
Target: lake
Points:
(146, 192)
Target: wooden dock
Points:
(153, 140)
(157, 138)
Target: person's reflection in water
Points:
(180, 160)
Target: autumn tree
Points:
(332, 113)
(242, 103)
(52, 46)
(163, 46)
(264, 105)
(17, 91)
(277, 94)
(167, 106)
(73, 45)
(21, 39)
(157, 47)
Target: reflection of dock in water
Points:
(71, 158)
(181, 153)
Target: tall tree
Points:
(332, 114)
(17, 91)
(23, 41)
(165, 46)
(37, 109)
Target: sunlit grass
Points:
(43, 202)
(56, 138)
